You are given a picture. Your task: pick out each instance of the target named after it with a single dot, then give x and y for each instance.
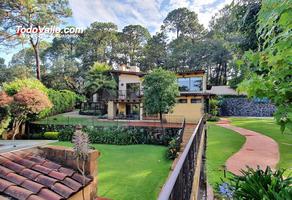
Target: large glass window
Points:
(196, 83)
(192, 84)
(184, 84)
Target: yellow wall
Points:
(122, 108)
(191, 111)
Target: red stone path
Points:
(258, 150)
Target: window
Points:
(182, 101)
(196, 100)
(184, 84)
(193, 84)
(196, 83)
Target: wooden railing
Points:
(188, 179)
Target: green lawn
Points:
(130, 171)
(221, 144)
(86, 121)
(269, 128)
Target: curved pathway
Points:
(258, 150)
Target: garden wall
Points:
(242, 106)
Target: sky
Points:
(148, 13)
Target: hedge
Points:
(118, 135)
(63, 101)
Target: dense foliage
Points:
(258, 184)
(23, 106)
(63, 101)
(270, 66)
(51, 135)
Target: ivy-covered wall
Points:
(242, 106)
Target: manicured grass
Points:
(85, 121)
(269, 128)
(130, 171)
(222, 143)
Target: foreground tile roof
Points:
(29, 177)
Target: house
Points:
(127, 104)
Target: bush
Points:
(214, 107)
(63, 101)
(173, 149)
(213, 118)
(51, 135)
(66, 134)
(15, 86)
(260, 184)
(37, 136)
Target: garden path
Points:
(258, 150)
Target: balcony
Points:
(128, 95)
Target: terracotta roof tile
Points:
(57, 175)
(79, 178)
(27, 177)
(74, 185)
(49, 195)
(45, 180)
(42, 169)
(62, 190)
(11, 156)
(34, 197)
(4, 171)
(4, 184)
(36, 159)
(18, 192)
(32, 186)
(67, 171)
(15, 178)
(28, 173)
(25, 162)
(13, 166)
(51, 165)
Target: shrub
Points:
(211, 118)
(63, 101)
(261, 184)
(51, 135)
(37, 136)
(214, 107)
(173, 149)
(15, 86)
(66, 134)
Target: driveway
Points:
(13, 145)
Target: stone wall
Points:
(242, 106)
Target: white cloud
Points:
(149, 13)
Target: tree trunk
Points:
(36, 49)
(37, 61)
(161, 122)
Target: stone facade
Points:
(242, 106)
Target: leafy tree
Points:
(270, 66)
(184, 23)
(132, 39)
(98, 80)
(160, 92)
(30, 13)
(155, 52)
(234, 27)
(17, 85)
(61, 62)
(97, 43)
(23, 106)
